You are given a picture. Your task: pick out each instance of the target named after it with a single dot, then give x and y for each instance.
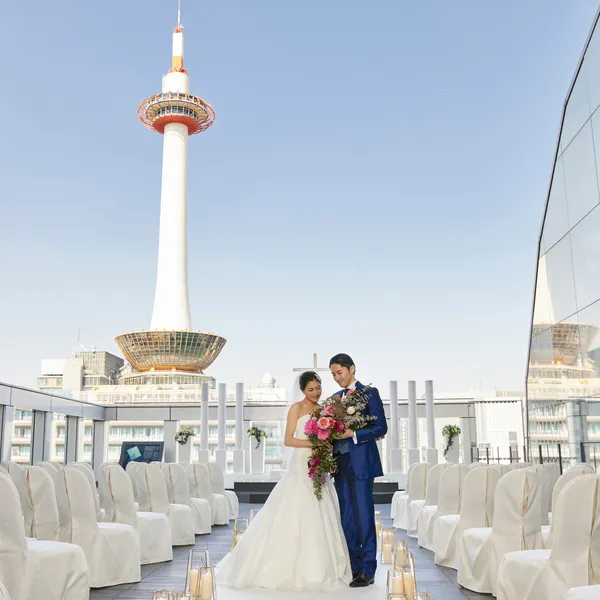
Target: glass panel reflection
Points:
(556, 223)
(578, 109)
(592, 63)
(560, 281)
(581, 181)
(585, 244)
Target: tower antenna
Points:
(178, 13)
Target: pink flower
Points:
(324, 423)
(310, 427)
(323, 434)
(311, 473)
(315, 461)
(328, 411)
(339, 426)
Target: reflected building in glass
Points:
(563, 378)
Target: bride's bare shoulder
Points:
(295, 408)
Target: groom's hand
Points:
(348, 433)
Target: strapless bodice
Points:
(299, 433)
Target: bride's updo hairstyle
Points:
(307, 377)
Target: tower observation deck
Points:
(170, 344)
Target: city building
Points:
(563, 385)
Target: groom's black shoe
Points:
(362, 580)
(355, 575)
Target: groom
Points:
(358, 464)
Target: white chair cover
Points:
(575, 556)
(87, 472)
(131, 471)
(589, 592)
(32, 569)
(516, 526)
(476, 510)
(399, 508)
(425, 521)
(476, 465)
(217, 483)
(153, 529)
(199, 480)
(178, 488)
(501, 469)
(50, 467)
(546, 479)
(153, 497)
(58, 465)
(3, 471)
(448, 511)
(42, 499)
(416, 497)
(523, 465)
(548, 530)
(112, 550)
(17, 474)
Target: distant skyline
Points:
(374, 182)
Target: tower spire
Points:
(178, 13)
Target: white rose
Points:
(351, 410)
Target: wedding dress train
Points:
(295, 542)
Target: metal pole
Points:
(487, 455)
(560, 466)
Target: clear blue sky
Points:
(374, 182)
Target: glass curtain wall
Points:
(563, 379)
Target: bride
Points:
(295, 542)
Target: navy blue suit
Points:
(358, 465)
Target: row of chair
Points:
(472, 518)
(116, 533)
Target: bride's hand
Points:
(348, 433)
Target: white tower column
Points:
(221, 455)
(72, 442)
(171, 302)
(393, 438)
(238, 453)
(171, 454)
(99, 444)
(41, 438)
(203, 454)
(413, 450)
(432, 453)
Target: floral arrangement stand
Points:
(257, 449)
(451, 433)
(182, 437)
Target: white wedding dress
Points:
(295, 542)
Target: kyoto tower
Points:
(170, 345)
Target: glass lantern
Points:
(197, 561)
(388, 543)
(400, 582)
(161, 595)
(401, 555)
(201, 584)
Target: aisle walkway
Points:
(441, 582)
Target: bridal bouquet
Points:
(326, 424)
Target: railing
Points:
(499, 454)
